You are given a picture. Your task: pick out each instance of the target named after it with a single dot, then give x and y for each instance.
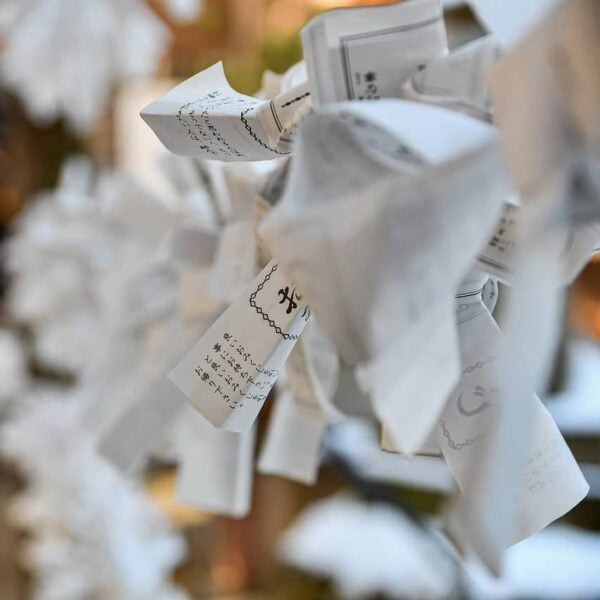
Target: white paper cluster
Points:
(64, 58)
(67, 259)
(376, 232)
(89, 284)
(394, 219)
(90, 532)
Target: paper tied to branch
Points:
(571, 246)
(470, 292)
(204, 117)
(549, 482)
(510, 20)
(367, 53)
(293, 444)
(239, 254)
(135, 209)
(231, 369)
(216, 466)
(294, 440)
(141, 426)
(554, 125)
(404, 172)
(312, 373)
(235, 264)
(195, 299)
(457, 80)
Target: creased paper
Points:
(231, 369)
(216, 467)
(302, 413)
(366, 53)
(206, 118)
(293, 444)
(548, 480)
(399, 183)
(572, 247)
(457, 80)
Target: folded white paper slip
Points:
(299, 420)
(231, 369)
(235, 262)
(143, 426)
(135, 209)
(549, 481)
(367, 53)
(409, 387)
(572, 246)
(352, 146)
(555, 122)
(511, 20)
(340, 238)
(457, 80)
(431, 374)
(195, 297)
(192, 247)
(312, 373)
(431, 446)
(293, 444)
(206, 118)
(216, 467)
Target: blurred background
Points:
(69, 88)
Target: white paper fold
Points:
(231, 369)
(379, 249)
(366, 53)
(216, 467)
(206, 118)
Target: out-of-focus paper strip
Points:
(216, 467)
(457, 80)
(409, 388)
(134, 209)
(555, 121)
(235, 264)
(293, 444)
(195, 299)
(430, 447)
(367, 53)
(535, 487)
(511, 20)
(143, 426)
(403, 174)
(301, 415)
(572, 247)
(206, 118)
(312, 373)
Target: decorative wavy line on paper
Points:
(254, 136)
(456, 445)
(263, 314)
